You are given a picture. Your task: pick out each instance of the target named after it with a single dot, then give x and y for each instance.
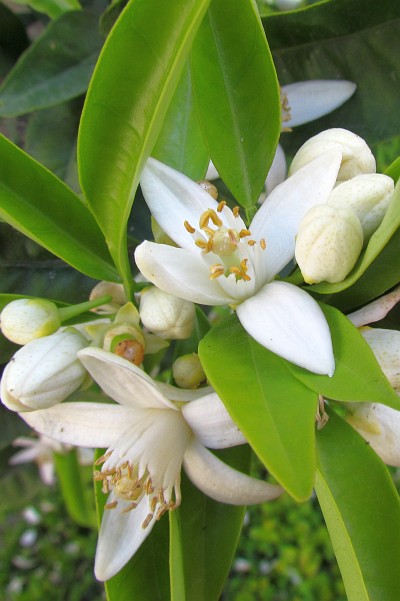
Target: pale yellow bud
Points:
(357, 157)
(166, 315)
(368, 195)
(328, 244)
(385, 345)
(44, 372)
(188, 371)
(25, 319)
(116, 291)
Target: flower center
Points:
(224, 242)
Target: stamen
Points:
(208, 215)
(251, 242)
(216, 271)
(153, 504)
(221, 205)
(241, 272)
(263, 244)
(130, 507)
(236, 211)
(103, 458)
(147, 520)
(111, 505)
(244, 233)
(189, 227)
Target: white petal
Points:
(179, 272)
(288, 322)
(309, 100)
(81, 424)
(212, 173)
(173, 198)
(278, 219)
(277, 172)
(120, 536)
(211, 423)
(223, 483)
(182, 394)
(122, 381)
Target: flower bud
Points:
(188, 371)
(357, 157)
(380, 426)
(328, 244)
(44, 372)
(385, 345)
(368, 195)
(166, 315)
(26, 319)
(116, 291)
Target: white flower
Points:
(43, 372)
(41, 451)
(149, 434)
(26, 319)
(221, 262)
(302, 102)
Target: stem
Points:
(66, 313)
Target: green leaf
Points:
(74, 492)
(357, 40)
(146, 576)
(393, 170)
(128, 97)
(274, 410)
(180, 143)
(204, 535)
(52, 8)
(358, 376)
(361, 508)
(38, 204)
(237, 96)
(379, 240)
(55, 68)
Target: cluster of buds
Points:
(46, 370)
(331, 236)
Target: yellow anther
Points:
(111, 505)
(130, 507)
(189, 228)
(216, 270)
(241, 272)
(208, 215)
(251, 242)
(236, 211)
(263, 244)
(221, 206)
(244, 233)
(200, 243)
(147, 520)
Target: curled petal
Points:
(120, 536)
(211, 423)
(278, 219)
(309, 100)
(223, 483)
(277, 173)
(81, 424)
(180, 272)
(173, 198)
(289, 322)
(122, 381)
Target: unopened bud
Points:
(385, 345)
(357, 157)
(328, 244)
(44, 372)
(209, 188)
(368, 195)
(166, 315)
(117, 293)
(25, 319)
(188, 371)
(380, 426)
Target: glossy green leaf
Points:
(180, 143)
(358, 376)
(237, 96)
(38, 204)
(357, 40)
(74, 490)
(55, 68)
(379, 240)
(274, 410)
(393, 170)
(130, 91)
(204, 535)
(145, 577)
(361, 508)
(13, 38)
(52, 8)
